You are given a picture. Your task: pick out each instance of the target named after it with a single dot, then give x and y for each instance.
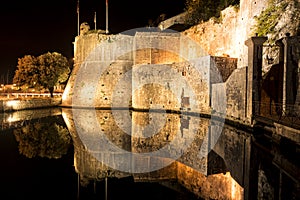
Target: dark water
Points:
(42, 159)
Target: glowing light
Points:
(233, 189)
(12, 103)
(66, 119)
(236, 190)
(10, 118)
(64, 96)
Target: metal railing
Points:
(27, 94)
(280, 113)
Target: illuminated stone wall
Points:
(188, 90)
(101, 65)
(157, 48)
(214, 42)
(148, 62)
(226, 37)
(100, 61)
(236, 95)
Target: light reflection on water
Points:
(43, 153)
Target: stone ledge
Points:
(11, 105)
(288, 132)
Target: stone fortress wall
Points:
(226, 37)
(221, 45)
(173, 71)
(109, 67)
(112, 67)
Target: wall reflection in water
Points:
(170, 149)
(186, 157)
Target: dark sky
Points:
(35, 27)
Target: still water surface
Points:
(47, 154)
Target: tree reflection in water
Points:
(44, 139)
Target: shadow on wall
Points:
(272, 87)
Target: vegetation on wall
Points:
(200, 10)
(267, 21)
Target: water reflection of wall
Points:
(276, 171)
(228, 167)
(87, 162)
(241, 165)
(192, 170)
(234, 147)
(238, 165)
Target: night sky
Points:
(35, 27)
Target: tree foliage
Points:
(27, 71)
(44, 71)
(200, 10)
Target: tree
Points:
(27, 71)
(200, 10)
(46, 71)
